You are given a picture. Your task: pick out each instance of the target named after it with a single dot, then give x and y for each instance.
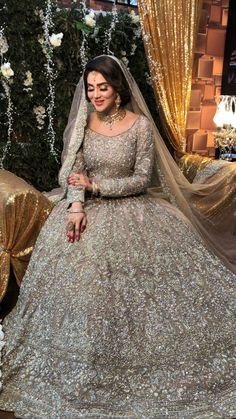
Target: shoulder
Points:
(141, 119)
(144, 123)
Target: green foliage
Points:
(29, 153)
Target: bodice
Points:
(110, 156)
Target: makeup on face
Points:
(101, 94)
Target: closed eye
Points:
(102, 87)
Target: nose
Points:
(96, 93)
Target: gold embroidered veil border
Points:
(23, 211)
(169, 31)
(217, 227)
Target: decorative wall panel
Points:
(207, 76)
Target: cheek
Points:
(111, 96)
(90, 95)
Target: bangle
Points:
(76, 212)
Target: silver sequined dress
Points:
(136, 320)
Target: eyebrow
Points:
(99, 84)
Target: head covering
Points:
(211, 207)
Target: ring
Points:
(77, 177)
(70, 226)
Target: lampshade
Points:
(233, 120)
(219, 119)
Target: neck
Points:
(112, 118)
(110, 112)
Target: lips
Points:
(99, 103)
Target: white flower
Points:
(40, 39)
(89, 21)
(134, 17)
(125, 61)
(41, 14)
(123, 53)
(133, 49)
(138, 32)
(39, 111)
(148, 78)
(6, 70)
(29, 79)
(3, 44)
(55, 39)
(92, 14)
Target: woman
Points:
(128, 315)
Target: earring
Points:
(118, 102)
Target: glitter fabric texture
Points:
(170, 25)
(23, 211)
(136, 320)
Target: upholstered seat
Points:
(23, 211)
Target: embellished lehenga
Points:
(136, 320)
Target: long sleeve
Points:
(76, 193)
(140, 179)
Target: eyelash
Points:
(104, 89)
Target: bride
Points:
(124, 311)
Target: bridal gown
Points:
(136, 320)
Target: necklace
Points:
(112, 119)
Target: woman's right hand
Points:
(76, 224)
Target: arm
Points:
(76, 193)
(75, 198)
(141, 176)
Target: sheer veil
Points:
(211, 207)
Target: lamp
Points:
(225, 120)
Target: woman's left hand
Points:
(79, 179)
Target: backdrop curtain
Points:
(169, 30)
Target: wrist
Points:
(76, 205)
(94, 187)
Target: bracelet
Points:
(76, 212)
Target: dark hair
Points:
(113, 74)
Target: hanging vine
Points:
(6, 74)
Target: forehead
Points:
(94, 77)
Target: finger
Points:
(83, 224)
(70, 231)
(77, 231)
(70, 236)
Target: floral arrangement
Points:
(42, 71)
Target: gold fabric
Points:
(192, 164)
(136, 319)
(23, 211)
(169, 29)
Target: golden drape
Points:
(23, 210)
(169, 30)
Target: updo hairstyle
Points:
(113, 74)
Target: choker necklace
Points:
(111, 119)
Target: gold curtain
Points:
(169, 29)
(23, 211)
